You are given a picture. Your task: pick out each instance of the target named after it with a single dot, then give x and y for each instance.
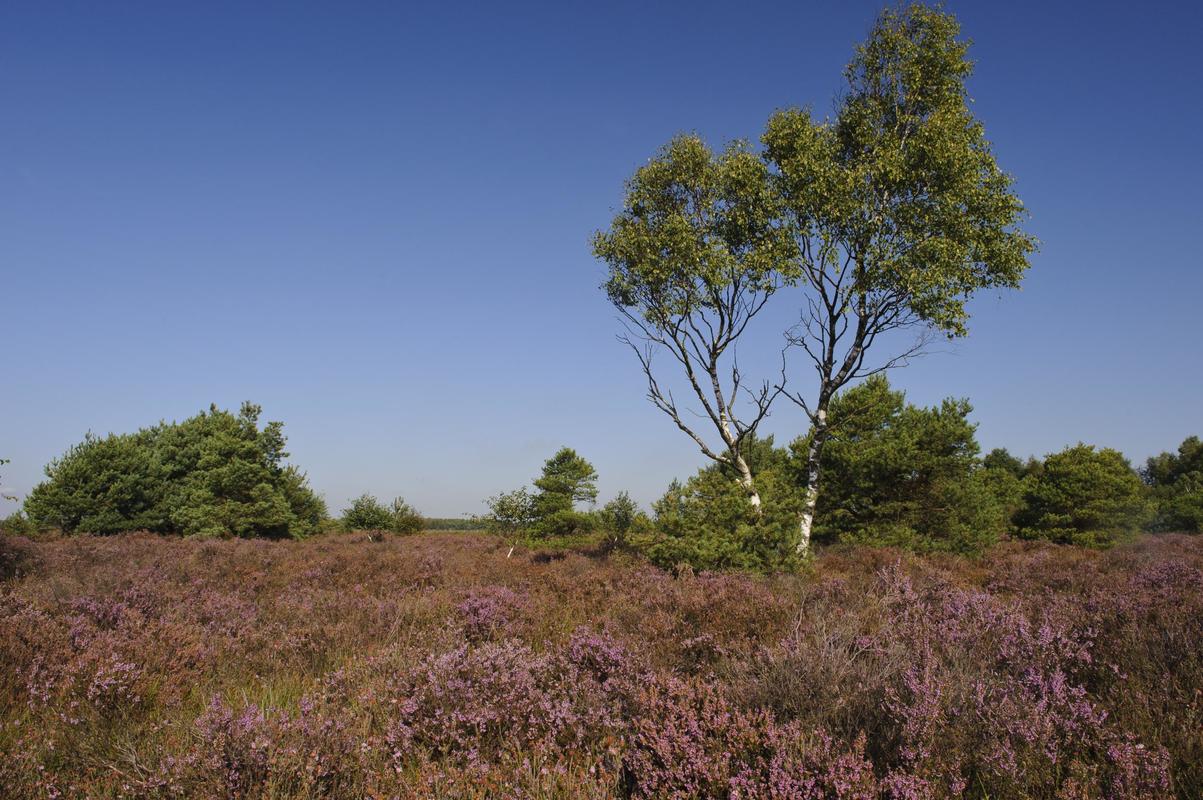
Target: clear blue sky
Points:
(373, 220)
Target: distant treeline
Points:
(453, 524)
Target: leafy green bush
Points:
(366, 513)
(215, 474)
(897, 474)
(1083, 496)
(564, 522)
(1177, 482)
(511, 515)
(619, 517)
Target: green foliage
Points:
(406, 518)
(620, 514)
(563, 522)
(619, 517)
(903, 181)
(1083, 496)
(215, 474)
(17, 524)
(695, 225)
(454, 524)
(898, 474)
(1004, 474)
(366, 513)
(707, 522)
(567, 479)
(1177, 482)
(511, 513)
(1001, 459)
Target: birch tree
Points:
(899, 211)
(695, 254)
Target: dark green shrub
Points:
(1006, 492)
(366, 513)
(1001, 459)
(1177, 483)
(215, 474)
(1083, 496)
(565, 522)
(897, 474)
(707, 522)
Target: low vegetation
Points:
(366, 513)
(433, 666)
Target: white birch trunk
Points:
(806, 521)
(807, 517)
(745, 480)
(745, 472)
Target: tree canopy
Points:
(694, 256)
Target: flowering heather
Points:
(433, 666)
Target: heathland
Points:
(432, 665)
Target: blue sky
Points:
(373, 220)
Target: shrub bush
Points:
(707, 522)
(564, 522)
(897, 474)
(511, 514)
(215, 474)
(1003, 476)
(1177, 482)
(619, 517)
(1085, 497)
(366, 513)
(406, 518)
(18, 524)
